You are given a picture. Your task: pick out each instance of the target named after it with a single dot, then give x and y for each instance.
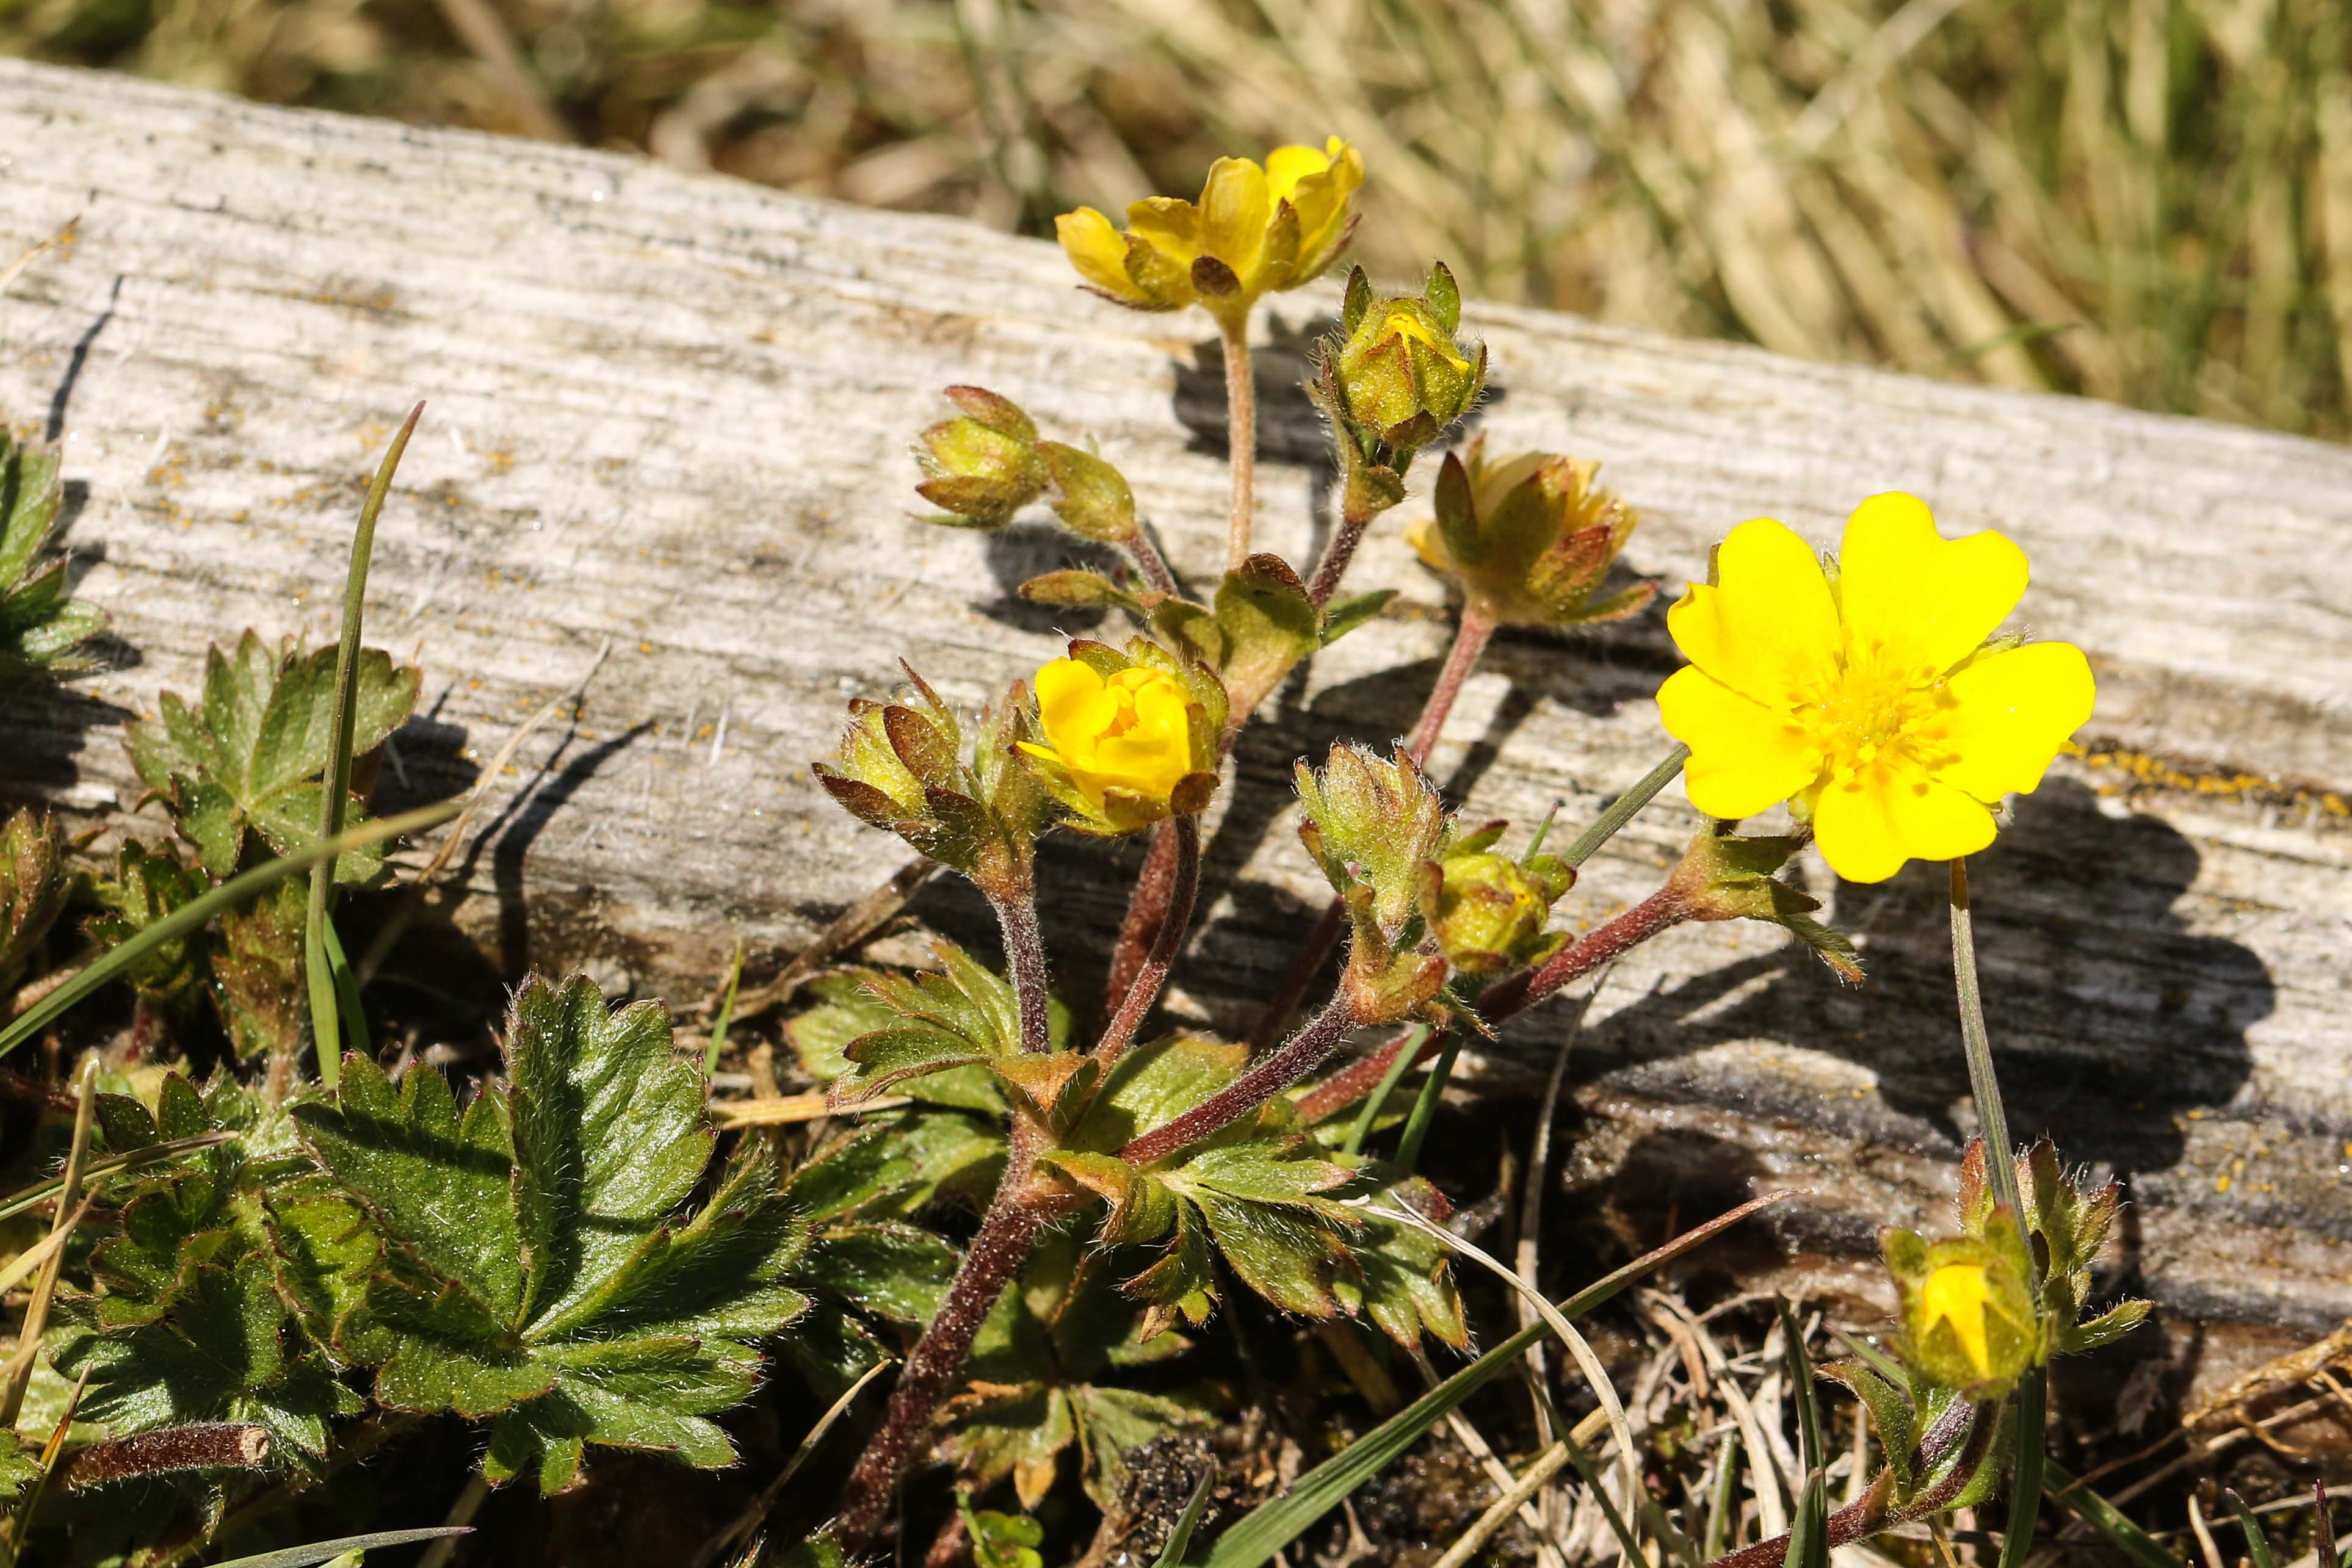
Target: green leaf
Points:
(1401, 1277)
(256, 970)
(960, 1016)
(1344, 615)
(41, 628)
(898, 1164)
(1078, 587)
(847, 1010)
(333, 1552)
(1265, 623)
(250, 755)
(147, 886)
(34, 882)
(1012, 1431)
(20, 1462)
(538, 1266)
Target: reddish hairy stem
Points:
(1302, 1054)
(1470, 639)
(1019, 1213)
(1303, 970)
(1241, 413)
(1153, 568)
(1153, 973)
(1146, 911)
(1360, 1078)
(1870, 1514)
(1024, 959)
(1661, 910)
(1336, 557)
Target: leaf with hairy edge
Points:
(898, 1163)
(1401, 1277)
(250, 756)
(42, 627)
(846, 1009)
(538, 1268)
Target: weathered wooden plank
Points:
(670, 411)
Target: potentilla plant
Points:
(1870, 692)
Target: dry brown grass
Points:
(2143, 200)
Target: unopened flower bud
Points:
(1400, 375)
(1492, 909)
(983, 465)
(1530, 538)
(1967, 1315)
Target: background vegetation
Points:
(2143, 200)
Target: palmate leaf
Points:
(188, 1325)
(1037, 1387)
(959, 1026)
(42, 626)
(1260, 1195)
(251, 754)
(535, 1268)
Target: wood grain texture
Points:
(672, 411)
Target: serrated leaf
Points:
(256, 960)
(20, 1462)
(1153, 1084)
(898, 1164)
(249, 756)
(537, 1267)
(1401, 1277)
(847, 1010)
(40, 626)
(149, 885)
(1110, 1421)
(1017, 1432)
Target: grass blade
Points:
(2106, 1518)
(326, 1550)
(1268, 1527)
(1379, 1099)
(330, 975)
(1809, 1532)
(41, 1192)
(725, 1019)
(2033, 1445)
(1621, 810)
(2258, 1545)
(1180, 1538)
(193, 914)
(1424, 1108)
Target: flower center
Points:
(1872, 718)
(1122, 687)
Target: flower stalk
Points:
(1241, 417)
(1152, 973)
(1025, 962)
(1300, 1055)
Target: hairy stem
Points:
(1025, 959)
(1146, 911)
(1661, 910)
(1241, 409)
(1153, 973)
(1302, 1054)
(1014, 1220)
(1338, 554)
(1470, 639)
(1151, 565)
(1992, 1118)
(1871, 1512)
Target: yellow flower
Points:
(1253, 231)
(1873, 703)
(1129, 736)
(1961, 1295)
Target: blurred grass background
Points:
(2148, 201)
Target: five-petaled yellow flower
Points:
(1872, 701)
(1258, 230)
(1130, 734)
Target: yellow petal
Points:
(1071, 702)
(1914, 602)
(1870, 823)
(1287, 166)
(1745, 758)
(2011, 713)
(1769, 630)
(1428, 543)
(1170, 226)
(1098, 250)
(1235, 207)
(1958, 1294)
